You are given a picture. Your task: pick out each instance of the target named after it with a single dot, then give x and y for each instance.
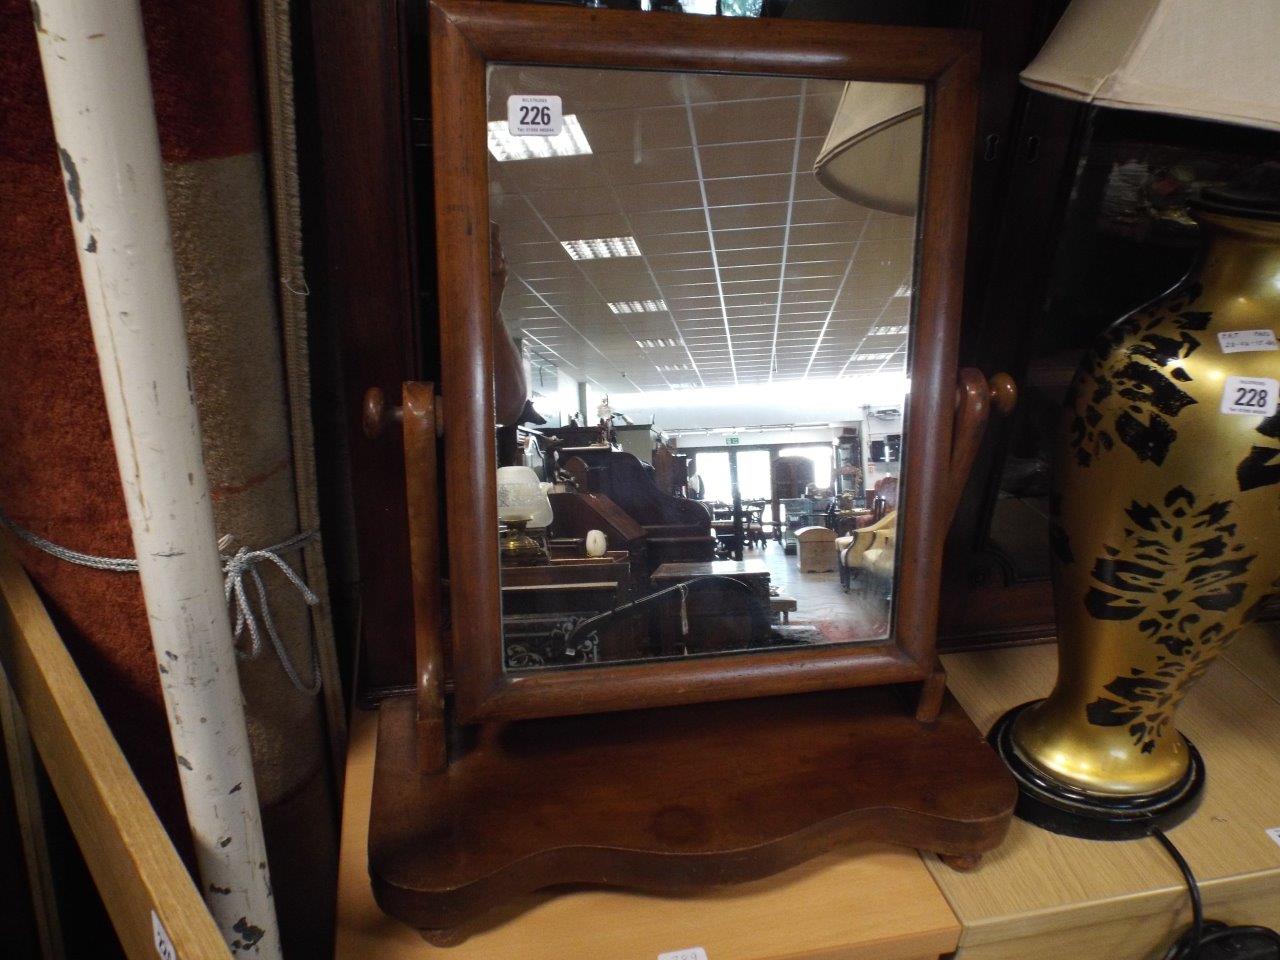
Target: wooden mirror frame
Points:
(469, 35)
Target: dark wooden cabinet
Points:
(359, 203)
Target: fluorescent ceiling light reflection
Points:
(601, 247)
(863, 357)
(823, 396)
(889, 330)
(638, 306)
(569, 142)
(659, 342)
(904, 290)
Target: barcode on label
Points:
(1250, 395)
(1247, 341)
(688, 953)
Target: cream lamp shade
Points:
(872, 152)
(1209, 59)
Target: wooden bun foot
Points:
(443, 937)
(963, 862)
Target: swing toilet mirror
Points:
(636, 215)
(643, 214)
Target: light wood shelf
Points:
(1038, 895)
(1044, 895)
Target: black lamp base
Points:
(1067, 810)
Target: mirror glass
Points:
(703, 301)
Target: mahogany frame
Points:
(468, 35)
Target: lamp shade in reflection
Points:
(521, 497)
(1192, 58)
(872, 152)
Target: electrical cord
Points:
(1246, 942)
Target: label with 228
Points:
(1250, 396)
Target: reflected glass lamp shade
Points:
(1164, 485)
(872, 152)
(523, 498)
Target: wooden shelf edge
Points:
(1219, 895)
(137, 871)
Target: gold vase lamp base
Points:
(1061, 808)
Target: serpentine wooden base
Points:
(672, 799)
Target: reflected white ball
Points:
(597, 543)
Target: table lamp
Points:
(1165, 483)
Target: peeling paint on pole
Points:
(95, 68)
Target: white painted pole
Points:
(95, 68)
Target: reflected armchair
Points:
(869, 552)
(882, 499)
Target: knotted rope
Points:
(245, 561)
(235, 567)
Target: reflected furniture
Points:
(886, 449)
(746, 511)
(753, 524)
(790, 476)
(671, 471)
(782, 606)
(578, 513)
(816, 549)
(849, 476)
(674, 528)
(868, 554)
(846, 521)
(637, 439)
(801, 512)
(537, 599)
(710, 614)
(727, 538)
(883, 498)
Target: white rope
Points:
(245, 561)
(235, 567)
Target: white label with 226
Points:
(529, 116)
(1250, 395)
(688, 953)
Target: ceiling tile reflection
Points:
(757, 272)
